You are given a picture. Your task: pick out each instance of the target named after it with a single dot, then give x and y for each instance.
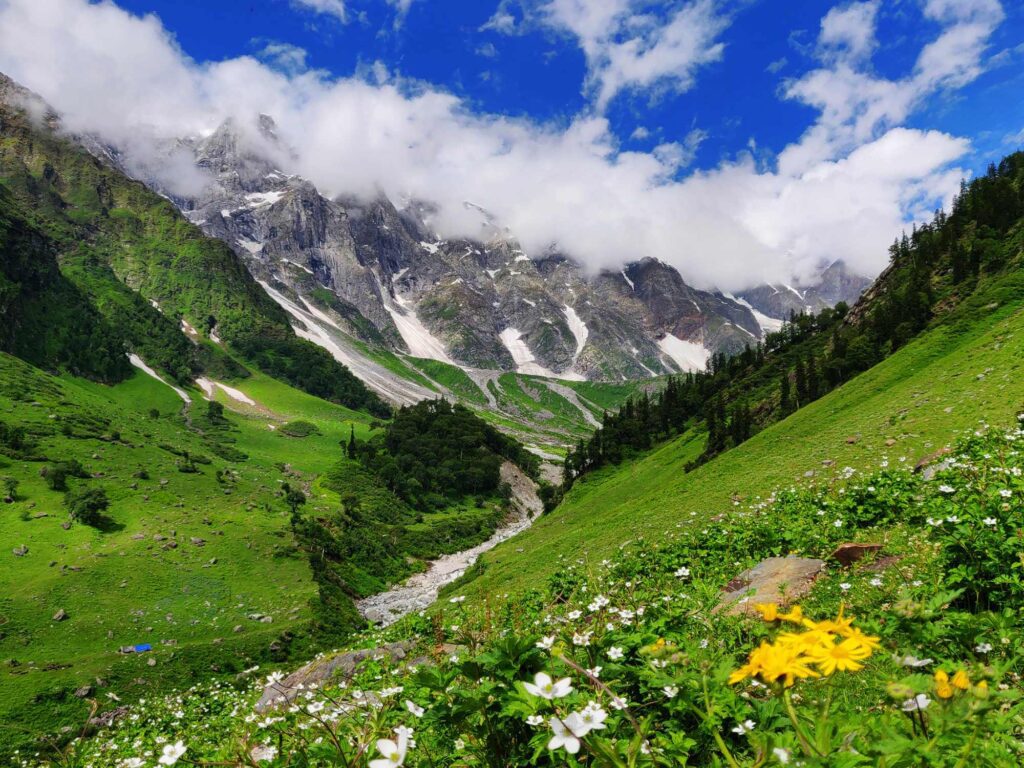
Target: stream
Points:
(420, 590)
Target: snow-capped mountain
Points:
(358, 276)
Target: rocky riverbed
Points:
(419, 591)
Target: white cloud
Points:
(849, 31)
(856, 105)
(487, 50)
(284, 56)
(502, 21)
(335, 8)
(842, 191)
(627, 49)
(640, 133)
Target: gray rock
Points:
(342, 665)
(20, 551)
(778, 580)
(60, 615)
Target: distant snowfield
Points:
(316, 326)
(141, 365)
(688, 355)
(579, 330)
(420, 341)
(768, 324)
(521, 354)
(209, 387)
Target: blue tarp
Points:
(143, 648)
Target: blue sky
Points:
(739, 140)
(539, 72)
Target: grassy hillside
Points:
(911, 656)
(137, 262)
(969, 370)
(199, 542)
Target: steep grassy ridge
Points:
(968, 370)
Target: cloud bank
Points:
(842, 190)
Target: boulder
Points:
(60, 615)
(931, 463)
(84, 692)
(779, 580)
(20, 551)
(342, 665)
(849, 553)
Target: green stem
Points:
(722, 747)
(967, 750)
(805, 743)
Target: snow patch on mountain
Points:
(251, 246)
(579, 330)
(209, 387)
(141, 365)
(688, 355)
(521, 354)
(263, 199)
(315, 326)
(768, 324)
(420, 341)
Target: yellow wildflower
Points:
(839, 625)
(768, 611)
(942, 687)
(961, 680)
(787, 663)
(843, 657)
(805, 641)
(795, 615)
(867, 641)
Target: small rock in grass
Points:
(84, 691)
(60, 615)
(20, 551)
(849, 553)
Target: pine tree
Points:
(784, 403)
(352, 442)
(801, 384)
(813, 386)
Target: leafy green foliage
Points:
(632, 655)
(86, 506)
(434, 452)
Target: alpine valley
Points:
(295, 477)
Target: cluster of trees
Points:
(814, 353)
(434, 452)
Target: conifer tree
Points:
(352, 442)
(813, 385)
(801, 384)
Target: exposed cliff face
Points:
(368, 272)
(835, 284)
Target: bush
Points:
(87, 506)
(299, 429)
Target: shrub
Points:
(87, 506)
